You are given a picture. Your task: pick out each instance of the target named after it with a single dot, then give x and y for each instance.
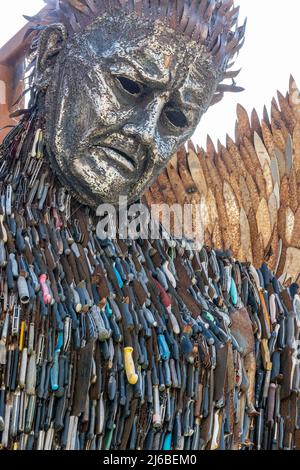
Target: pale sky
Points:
(268, 57)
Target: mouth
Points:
(119, 157)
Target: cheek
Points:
(99, 104)
(106, 182)
(169, 145)
(84, 105)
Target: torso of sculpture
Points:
(130, 344)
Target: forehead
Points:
(153, 50)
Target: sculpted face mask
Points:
(122, 94)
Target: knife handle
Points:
(54, 372)
(45, 289)
(132, 377)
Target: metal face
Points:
(124, 95)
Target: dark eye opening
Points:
(176, 117)
(130, 86)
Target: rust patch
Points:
(242, 330)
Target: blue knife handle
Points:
(163, 347)
(59, 323)
(127, 315)
(167, 441)
(233, 292)
(108, 310)
(118, 276)
(54, 372)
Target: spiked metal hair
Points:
(212, 23)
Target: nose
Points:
(145, 122)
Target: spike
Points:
(236, 133)
(231, 74)
(166, 188)
(277, 122)
(267, 137)
(232, 88)
(266, 117)
(210, 148)
(216, 98)
(286, 112)
(292, 85)
(274, 104)
(185, 175)
(243, 121)
(177, 185)
(219, 147)
(191, 146)
(294, 98)
(255, 123)
(196, 170)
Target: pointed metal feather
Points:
(233, 88)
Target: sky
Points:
(267, 59)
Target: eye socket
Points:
(130, 86)
(175, 116)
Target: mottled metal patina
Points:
(121, 85)
(121, 98)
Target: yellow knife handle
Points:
(265, 353)
(132, 377)
(22, 335)
(39, 147)
(3, 233)
(35, 143)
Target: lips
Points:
(123, 152)
(120, 157)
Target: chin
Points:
(101, 195)
(112, 196)
(98, 182)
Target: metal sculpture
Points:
(248, 191)
(124, 84)
(129, 344)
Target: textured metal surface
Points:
(122, 97)
(242, 330)
(248, 190)
(207, 22)
(89, 303)
(125, 83)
